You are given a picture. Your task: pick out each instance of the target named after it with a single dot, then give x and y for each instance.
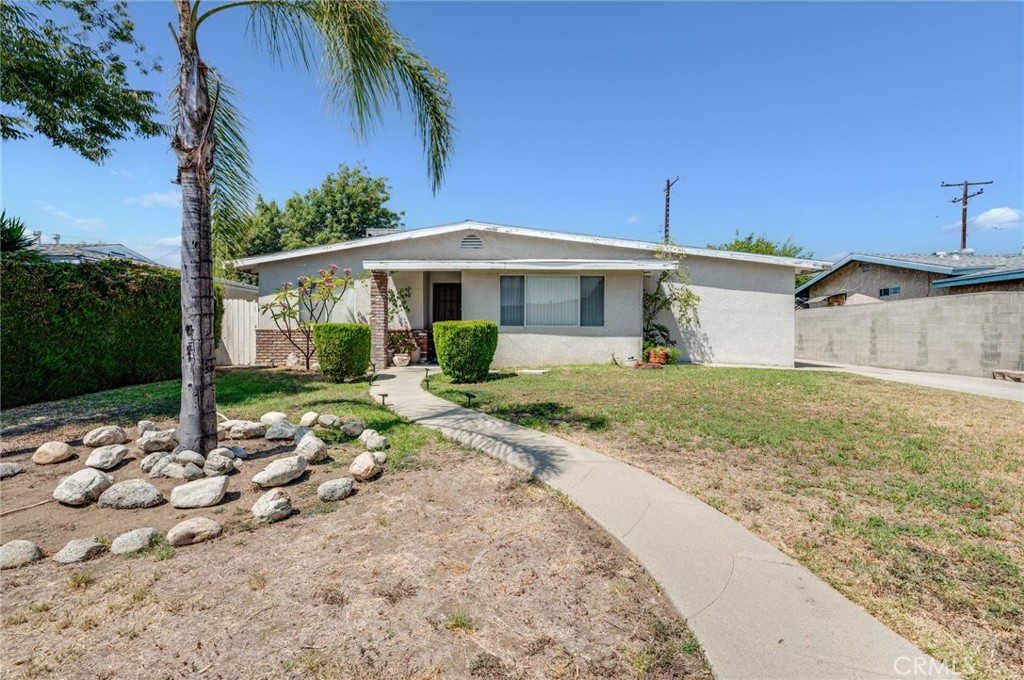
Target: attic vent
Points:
(472, 241)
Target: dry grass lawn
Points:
(908, 500)
(450, 565)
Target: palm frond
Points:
(362, 62)
(232, 183)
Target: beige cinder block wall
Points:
(963, 334)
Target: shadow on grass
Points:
(548, 413)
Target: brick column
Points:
(379, 319)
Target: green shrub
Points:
(70, 329)
(465, 349)
(342, 349)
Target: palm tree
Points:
(363, 64)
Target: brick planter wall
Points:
(273, 348)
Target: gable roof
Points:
(951, 264)
(1009, 272)
(798, 264)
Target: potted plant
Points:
(402, 344)
(657, 355)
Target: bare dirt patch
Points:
(451, 565)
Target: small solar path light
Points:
(383, 397)
(469, 399)
(426, 377)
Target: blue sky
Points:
(831, 123)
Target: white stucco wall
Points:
(746, 310)
(524, 346)
(745, 313)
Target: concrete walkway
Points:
(756, 612)
(986, 387)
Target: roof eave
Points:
(251, 264)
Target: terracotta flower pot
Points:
(657, 356)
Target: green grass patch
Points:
(909, 499)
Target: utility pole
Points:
(668, 197)
(963, 208)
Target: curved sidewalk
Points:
(756, 612)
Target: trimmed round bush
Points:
(342, 349)
(465, 349)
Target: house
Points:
(862, 278)
(89, 252)
(558, 298)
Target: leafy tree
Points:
(762, 245)
(343, 207)
(265, 227)
(69, 82)
(362, 63)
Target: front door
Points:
(447, 302)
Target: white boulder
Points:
(18, 553)
(134, 541)
(79, 550)
(131, 494)
(52, 452)
(280, 472)
(272, 506)
(83, 487)
(107, 457)
(105, 436)
(364, 467)
(201, 493)
(335, 489)
(281, 429)
(311, 448)
(195, 530)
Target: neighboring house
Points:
(89, 252)
(558, 298)
(859, 278)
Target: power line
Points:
(963, 200)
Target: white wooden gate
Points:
(238, 328)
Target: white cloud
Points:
(995, 219)
(168, 241)
(156, 199)
(633, 219)
(88, 223)
(130, 173)
(51, 209)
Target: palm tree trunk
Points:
(194, 145)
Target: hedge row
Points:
(69, 329)
(342, 349)
(465, 349)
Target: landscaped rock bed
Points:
(448, 565)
